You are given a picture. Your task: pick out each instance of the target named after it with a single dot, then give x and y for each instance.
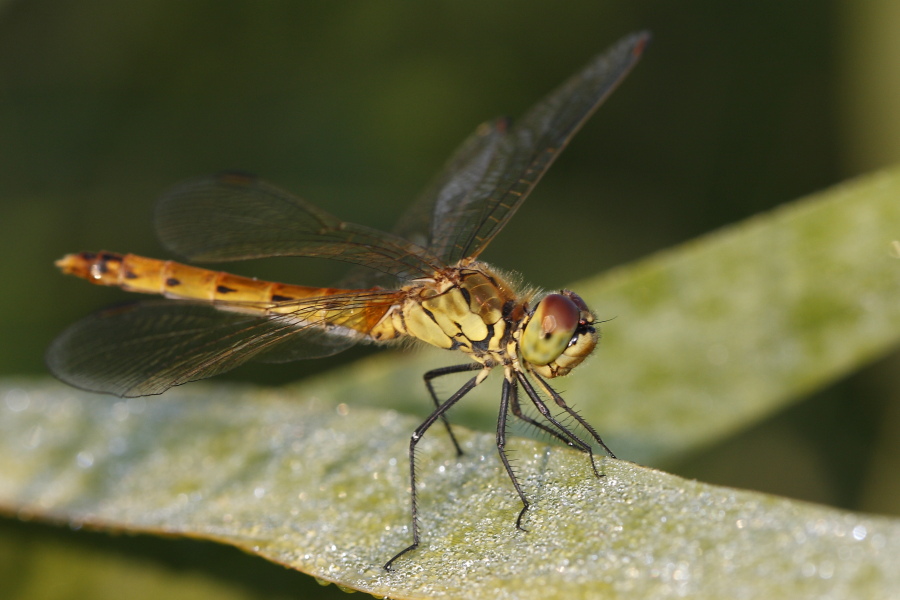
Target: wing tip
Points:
(642, 40)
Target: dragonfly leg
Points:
(416, 436)
(434, 374)
(562, 404)
(545, 412)
(516, 409)
(510, 390)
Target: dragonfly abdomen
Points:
(172, 279)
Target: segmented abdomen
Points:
(361, 310)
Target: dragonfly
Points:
(432, 287)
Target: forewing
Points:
(235, 217)
(445, 193)
(145, 348)
(492, 173)
(439, 206)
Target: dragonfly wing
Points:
(449, 190)
(235, 217)
(333, 323)
(494, 171)
(440, 201)
(145, 348)
(439, 206)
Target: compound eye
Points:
(549, 330)
(577, 300)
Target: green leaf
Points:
(707, 338)
(323, 490)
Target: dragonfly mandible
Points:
(213, 321)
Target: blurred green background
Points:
(735, 108)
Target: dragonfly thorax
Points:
(471, 308)
(468, 307)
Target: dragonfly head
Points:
(558, 335)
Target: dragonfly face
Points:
(435, 290)
(558, 335)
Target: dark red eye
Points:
(576, 299)
(559, 314)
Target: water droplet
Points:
(17, 399)
(85, 459)
(35, 437)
